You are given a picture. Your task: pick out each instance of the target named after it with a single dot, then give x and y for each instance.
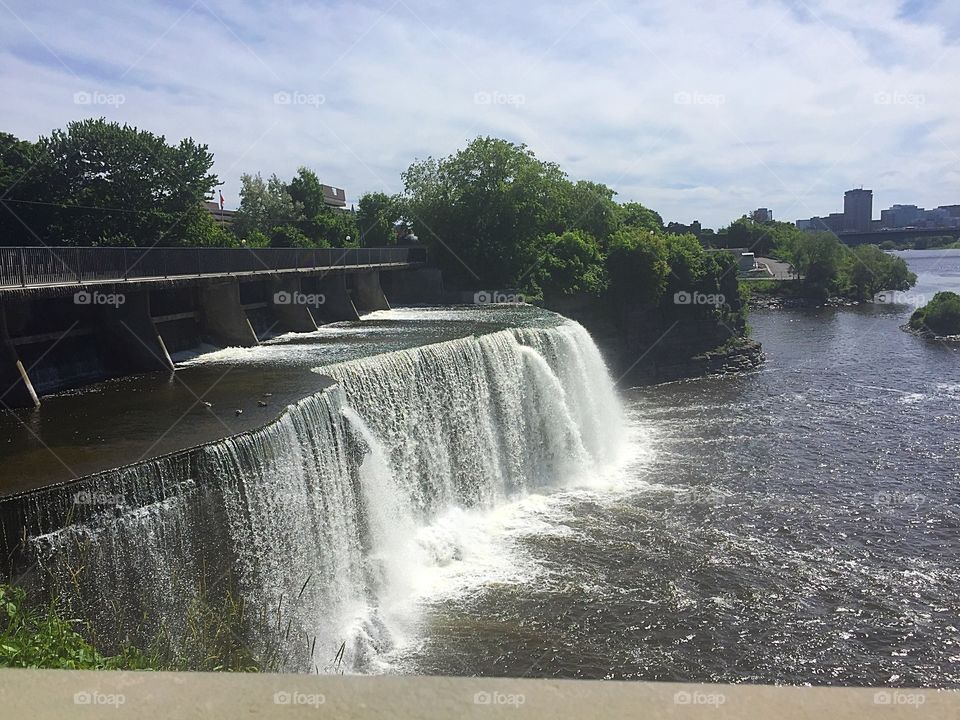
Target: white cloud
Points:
(699, 112)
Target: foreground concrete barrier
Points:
(61, 694)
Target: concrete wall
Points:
(368, 295)
(290, 305)
(332, 298)
(129, 332)
(222, 319)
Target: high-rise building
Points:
(762, 215)
(857, 209)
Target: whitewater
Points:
(394, 485)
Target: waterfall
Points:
(315, 517)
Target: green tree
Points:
(376, 214)
(817, 258)
(589, 206)
(941, 316)
(263, 205)
(482, 209)
(287, 236)
(870, 270)
(636, 215)
(331, 228)
(637, 266)
(19, 182)
(97, 182)
(572, 262)
(306, 191)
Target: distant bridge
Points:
(71, 316)
(878, 236)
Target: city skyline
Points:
(657, 100)
(857, 215)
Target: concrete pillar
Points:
(336, 304)
(130, 340)
(16, 390)
(222, 319)
(290, 305)
(368, 293)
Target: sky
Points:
(700, 110)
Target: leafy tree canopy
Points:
(97, 182)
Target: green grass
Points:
(41, 637)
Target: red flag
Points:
(221, 199)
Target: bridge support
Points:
(369, 295)
(222, 319)
(129, 337)
(16, 390)
(336, 304)
(289, 305)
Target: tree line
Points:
(493, 213)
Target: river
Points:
(473, 497)
(794, 525)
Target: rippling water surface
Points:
(798, 525)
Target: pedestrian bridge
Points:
(42, 267)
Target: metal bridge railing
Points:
(37, 266)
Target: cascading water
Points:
(318, 515)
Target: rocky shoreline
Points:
(929, 334)
(766, 302)
(738, 356)
(644, 347)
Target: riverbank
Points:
(646, 345)
(774, 302)
(929, 334)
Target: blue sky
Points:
(699, 110)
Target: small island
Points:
(938, 319)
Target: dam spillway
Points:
(320, 521)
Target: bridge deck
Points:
(79, 284)
(57, 267)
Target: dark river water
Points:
(795, 525)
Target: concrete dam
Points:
(72, 316)
(330, 519)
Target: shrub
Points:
(940, 316)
